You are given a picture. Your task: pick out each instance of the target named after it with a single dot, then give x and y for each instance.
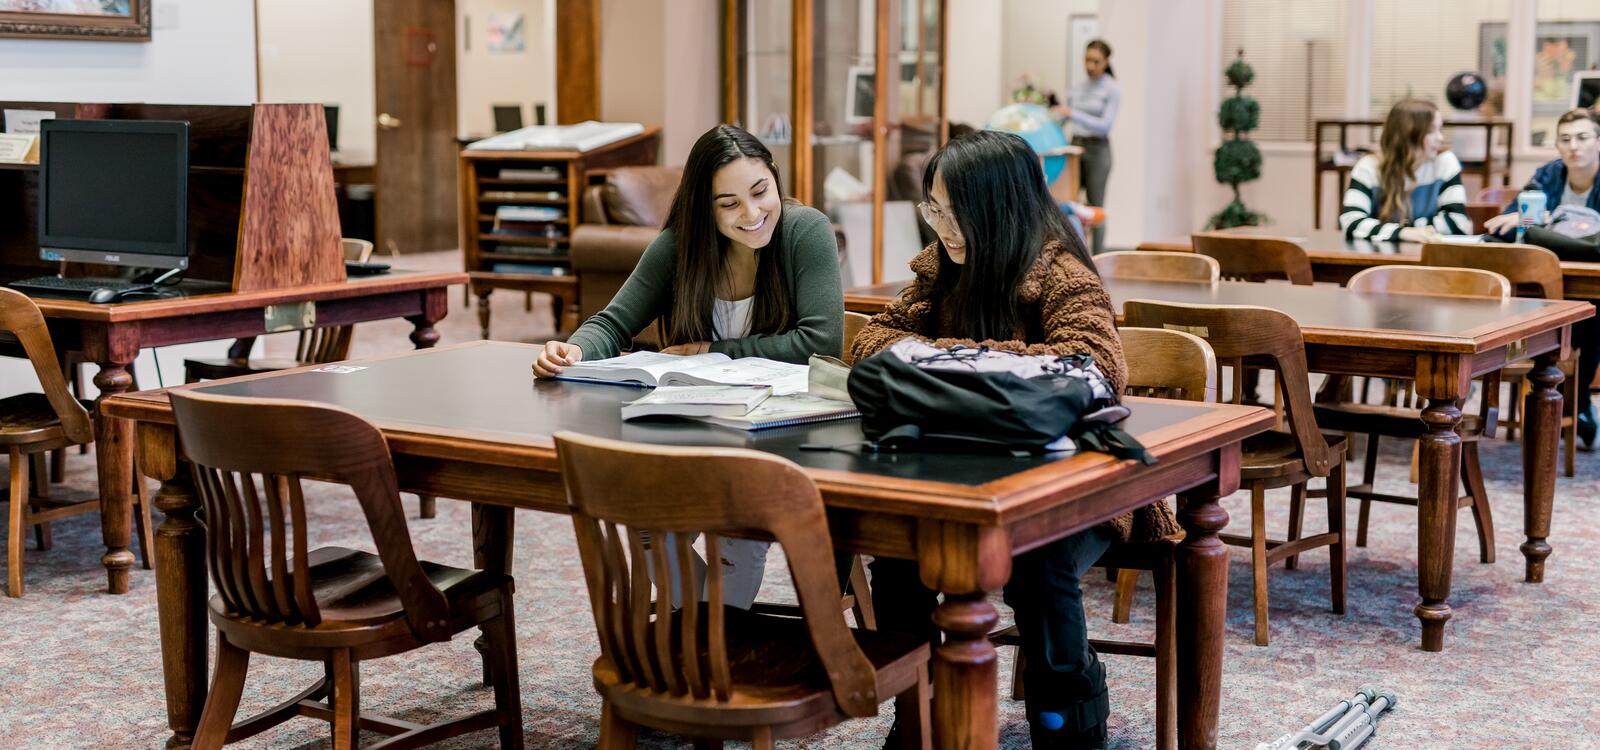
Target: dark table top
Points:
(490, 390)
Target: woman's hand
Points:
(1418, 234)
(1061, 111)
(557, 355)
(1502, 223)
(696, 347)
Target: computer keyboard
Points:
(71, 287)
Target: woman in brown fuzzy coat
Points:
(1008, 274)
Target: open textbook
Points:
(711, 368)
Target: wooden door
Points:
(415, 63)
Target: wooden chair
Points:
(1533, 272)
(1161, 364)
(1248, 258)
(1157, 264)
(1165, 247)
(33, 425)
(1481, 213)
(333, 605)
(1404, 419)
(710, 671)
(853, 323)
(1240, 335)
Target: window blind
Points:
(1296, 47)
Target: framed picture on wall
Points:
(105, 20)
(1560, 49)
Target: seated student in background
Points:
(1008, 274)
(737, 270)
(1570, 181)
(1411, 191)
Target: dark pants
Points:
(1096, 171)
(1063, 675)
(1586, 337)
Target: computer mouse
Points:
(103, 295)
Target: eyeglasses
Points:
(932, 213)
(1581, 139)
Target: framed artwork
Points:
(1080, 29)
(1560, 49)
(105, 20)
(505, 33)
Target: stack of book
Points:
(747, 394)
(529, 230)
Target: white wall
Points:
(200, 52)
(662, 68)
(321, 51)
(1036, 42)
(975, 50)
(485, 78)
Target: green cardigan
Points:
(809, 261)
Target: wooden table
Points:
(112, 336)
(486, 438)
(1335, 259)
(1440, 343)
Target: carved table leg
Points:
(493, 528)
(114, 462)
(965, 563)
(180, 583)
(423, 336)
(1542, 410)
(1439, 468)
(483, 311)
(1202, 562)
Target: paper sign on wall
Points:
(23, 121)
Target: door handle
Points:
(388, 121)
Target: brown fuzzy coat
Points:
(1065, 310)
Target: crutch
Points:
(1344, 727)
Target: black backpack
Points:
(974, 398)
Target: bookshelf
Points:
(518, 209)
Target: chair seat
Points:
(1388, 421)
(216, 368)
(27, 419)
(1276, 455)
(776, 675)
(359, 603)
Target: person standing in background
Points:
(1091, 109)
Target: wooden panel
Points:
(801, 99)
(289, 233)
(415, 69)
(577, 61)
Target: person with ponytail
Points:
(1411, 192)
(1092, 109)
(1006, 273)
(738, 270)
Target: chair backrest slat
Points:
(1157, 264)
(235, 442)
(1532, 271)
(20, 317)
(1241, 334)
(689, 647)
(672, 493)
(1249, 258)
(853, 323)
(1469, 282)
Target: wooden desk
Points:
(1440, 343)
(962, 516)
(112, 335)
(1335, 259)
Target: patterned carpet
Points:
(81, 669)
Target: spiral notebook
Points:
(783, 411)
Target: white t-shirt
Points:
(731, 318)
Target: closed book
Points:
(528, 213)
(783, 411)
(697, 401)
(540, 270)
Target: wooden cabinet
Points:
(518, 209)
(841, 91)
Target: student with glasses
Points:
(1570, 181)
(1006, 273)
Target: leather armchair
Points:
(620, 219)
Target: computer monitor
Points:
(861, 94)
(114, 192)
(1585, 89)
(507, 117)
(330, 112)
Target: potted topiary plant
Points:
(1237, 160)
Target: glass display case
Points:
(849, 96)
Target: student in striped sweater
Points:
(1412, 191)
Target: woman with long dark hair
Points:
(1006, 273)
(1092, 109)
(737, 270)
